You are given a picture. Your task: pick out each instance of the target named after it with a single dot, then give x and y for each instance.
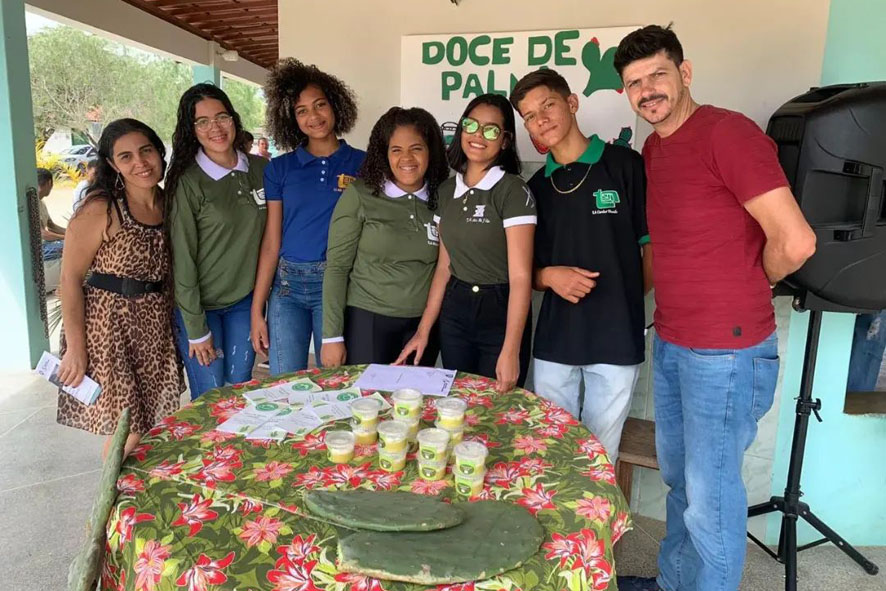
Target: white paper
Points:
(277, 393)
(250, 418)
(88, 390)
(332, 411)
(430, 381)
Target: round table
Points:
(203, 510)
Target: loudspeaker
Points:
(832, 145)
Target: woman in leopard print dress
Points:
(118, 323)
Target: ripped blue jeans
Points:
(234, 353)
(868, 345)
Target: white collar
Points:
(217, 172)
(394, 192)
(492, 176)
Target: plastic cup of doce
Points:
(470, 458)
(412, 426)
(407, 403)
(451, 413)
(432, 445)
(393, 436)
(364, 436)
(469, 486)
(391, 462)
(340, 446)
(365, 411)
(431, 470)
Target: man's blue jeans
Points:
(295, 312)
(868, 344)
(707, 404)
(230, 337)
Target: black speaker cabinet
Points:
(832, 146)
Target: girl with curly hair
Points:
(216, 220)
(307, 112)
(483, 282)
(383, 244)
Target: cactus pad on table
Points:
(495, 537)
(388, 511)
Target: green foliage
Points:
(77, 78)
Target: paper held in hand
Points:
(431, 381)
(88, 390)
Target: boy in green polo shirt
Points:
(591, 253)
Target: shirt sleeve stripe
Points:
(201, 339)
(644, 240)
(333, 340)
(520, 221)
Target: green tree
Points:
(248, 100)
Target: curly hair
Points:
(376, 168)
(507, 158)
(285, 83)
(106, 183)
(184, 140)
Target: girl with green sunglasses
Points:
(486, 223)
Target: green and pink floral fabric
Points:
(202, 510)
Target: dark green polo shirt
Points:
(381, 255)
(592, 215)
(473, 220)
(216, 224)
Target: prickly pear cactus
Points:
(383, 510)
(83, 572)
(495, 537)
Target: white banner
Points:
(442, 73)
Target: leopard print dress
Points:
(130, 345)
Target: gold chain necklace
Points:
(573, 189)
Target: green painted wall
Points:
(844, 474)
(23, 331)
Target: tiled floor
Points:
(49, 473)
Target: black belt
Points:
(125, 286)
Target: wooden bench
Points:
(637, 448)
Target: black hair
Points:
(106, 184)
(184, 140)
(376, 168)
(285, 83)
(507, 158)
(43, 176)
(540, 77)
(92, 163)
(647, 42)
(247, 137)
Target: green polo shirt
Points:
(381, 255)
(473, 220)
(216, 225)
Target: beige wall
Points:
(750, 56)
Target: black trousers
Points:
(376, 338)
(473, 320)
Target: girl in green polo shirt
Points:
(216, 221)
(383, 244)
(483, 282)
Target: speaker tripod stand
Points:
(789, 505)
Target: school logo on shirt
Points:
(530, 200)
(258, 196)
(433, 236)
(344, 180)
(479, 216)
(606, 201)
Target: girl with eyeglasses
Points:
(383, 244)
(217, 217)
(308, 110)
(483, 282)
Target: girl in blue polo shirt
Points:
(307, 112)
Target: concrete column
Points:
(209, 72)
(24, 332)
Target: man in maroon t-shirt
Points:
(724, 227)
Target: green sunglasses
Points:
(491, 131)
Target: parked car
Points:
(78, 155)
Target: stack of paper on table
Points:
(430, 381)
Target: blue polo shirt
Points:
(309, 187)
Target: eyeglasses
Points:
(205, 123)
(490, 131)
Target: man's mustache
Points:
(654, 97)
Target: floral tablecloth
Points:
(203, 510)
